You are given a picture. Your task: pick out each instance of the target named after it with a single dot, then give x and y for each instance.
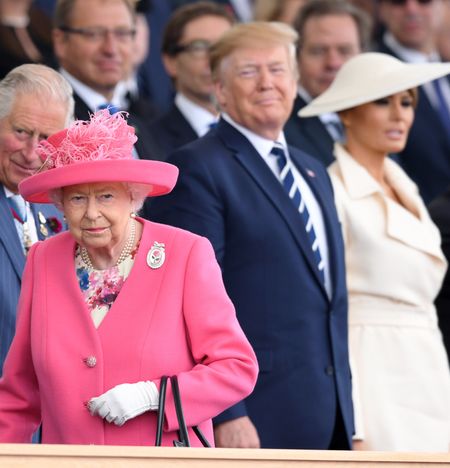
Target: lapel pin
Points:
(43, 229)
(310, 173)
(156, 255)
(42, 218)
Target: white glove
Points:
(125, 401)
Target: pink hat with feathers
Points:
(98, 150)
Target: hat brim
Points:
(160, 177)
(336, 99)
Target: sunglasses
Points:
(403, 2)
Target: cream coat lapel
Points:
(401, 224)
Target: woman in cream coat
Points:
(401, 379)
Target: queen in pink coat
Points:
(116, 302)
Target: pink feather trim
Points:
(105, 136)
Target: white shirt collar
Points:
(406, 54)
(90, 97)
(262, 145)
(8, 192)
(198, 117)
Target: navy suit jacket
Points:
(227, 193)
(172, 130)
(309, 134)
(145, 146)
(440, 213)
(12, 262)
(426, 157)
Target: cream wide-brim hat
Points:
(371, 76)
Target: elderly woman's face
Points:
(380, 126)
(97, 214)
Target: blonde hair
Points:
(258, 34)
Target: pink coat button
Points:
(91, 361)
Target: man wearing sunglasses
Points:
(187, 37)
(94, 44)
(411, 28)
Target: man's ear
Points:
(59, 41)
(171, 65)
(220, 94)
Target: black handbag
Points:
(182, 431)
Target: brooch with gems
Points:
(156, 255)
(51, 222)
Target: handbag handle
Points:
(182, 431)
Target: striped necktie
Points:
(19, 212)
(292, 189)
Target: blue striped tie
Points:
(292, 189)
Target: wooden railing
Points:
(82, 456)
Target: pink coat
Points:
(176, 319)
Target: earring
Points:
(133, 215)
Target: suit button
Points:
(329, 370)
(90, 361)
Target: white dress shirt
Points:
(198, 117)
(90, 97)
(263, 146)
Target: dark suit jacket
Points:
(426, 157)
(440, 213)
(145, 146)
(172, 130)
(309, 134)
(12, 262)
(227, 193)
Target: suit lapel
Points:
(317, 134)
(314, 130)
(252, 162)
(180, 127)
(9, 236)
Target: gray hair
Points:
(138, 194)
(40, 80)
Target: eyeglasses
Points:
(197, 48)
(403, 2)
(95, 34)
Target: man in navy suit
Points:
(187, 37)
(330, 32)
(411, 28)
(35, 102)
(233, 188)
(94, 44)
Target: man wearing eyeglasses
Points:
(94, 44)
(411, 28)
(187, 37)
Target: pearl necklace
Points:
(126, 251)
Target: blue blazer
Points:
(426, 157)
(12, 262)
(227, 193)
(309, 134)
(172, 130)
